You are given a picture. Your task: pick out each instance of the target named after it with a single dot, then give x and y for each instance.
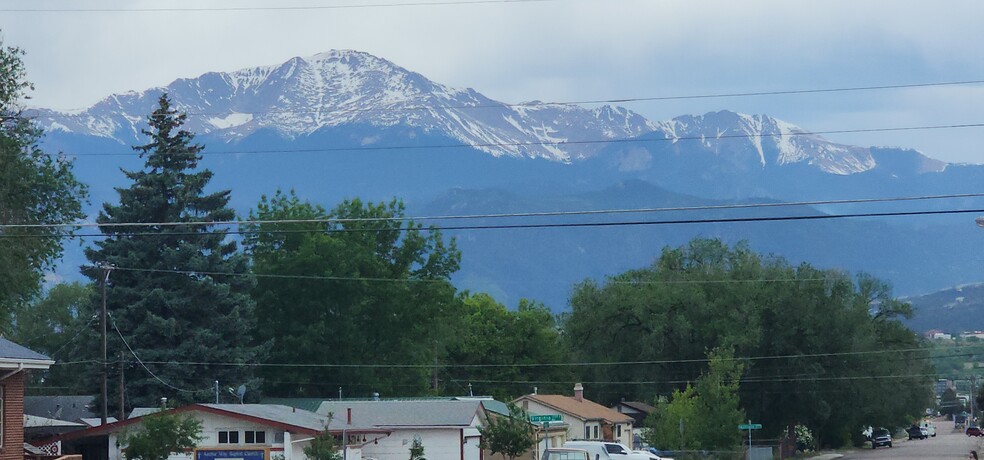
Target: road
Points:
(947, 445)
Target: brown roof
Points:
(584, 409)
(639, 406)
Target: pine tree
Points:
(178, 293)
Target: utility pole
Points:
(973, 383)
(105, 390)
(122, 388)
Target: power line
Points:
(538, 104)
(426, 280)
(497, 215)
(144, 366)
(528, 365)
(560, 143)
(266, 8)
(722, 220)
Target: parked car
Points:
(916, 432)
(565, 454)
(929, 427)
(650, 455)
(602, 450)
(974, 431)
(881, 438)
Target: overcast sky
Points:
(556, 50)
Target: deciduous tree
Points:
(38, 193)
(359, 284)
(162, 434)
(510, 435)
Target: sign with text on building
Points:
(230, 454)
(545, 418)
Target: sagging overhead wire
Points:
(555, 225)
(480, 145)
(251, 222)
(541, 104)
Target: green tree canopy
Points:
(51, 324)
(510, 435)
(361, 284)
(704, 416)
(489, 333)
(162, 434)
(323, 447)
(830, 340)
(179, 292)
(36, 188)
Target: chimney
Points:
(579, 392)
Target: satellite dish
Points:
(241, 392)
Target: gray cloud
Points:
(559, 50)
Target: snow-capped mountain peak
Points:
(339, 87)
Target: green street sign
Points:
(545, 418)
(750, 426)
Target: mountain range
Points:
(346, 123)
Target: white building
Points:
(447, 429)
(230, 431)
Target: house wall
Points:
(439, 443)
(13, 417)
(212, 424)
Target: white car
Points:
(928, 428)
(650, 455)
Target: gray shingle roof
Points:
(12, 351)
(283, 414)
(403, 413)
(70, 408)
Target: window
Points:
(596, 432)
(254, 437)
(618, 430)
(228, 437)
(587, 432)
(615, 449)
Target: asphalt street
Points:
(948, 444)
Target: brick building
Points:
(15, 361)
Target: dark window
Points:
(615, 449)
(587, 432)
(233, 437)
(254, 437)
(223, 437)
(596, 432)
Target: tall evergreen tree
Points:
(179, 292)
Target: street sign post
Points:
(545, 418)
(750, 426)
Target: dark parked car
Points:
(974, 431)
(880, 438)
(915, 432)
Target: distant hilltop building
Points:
(934, 334)
(976, 334)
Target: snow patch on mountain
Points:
(344, 87)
